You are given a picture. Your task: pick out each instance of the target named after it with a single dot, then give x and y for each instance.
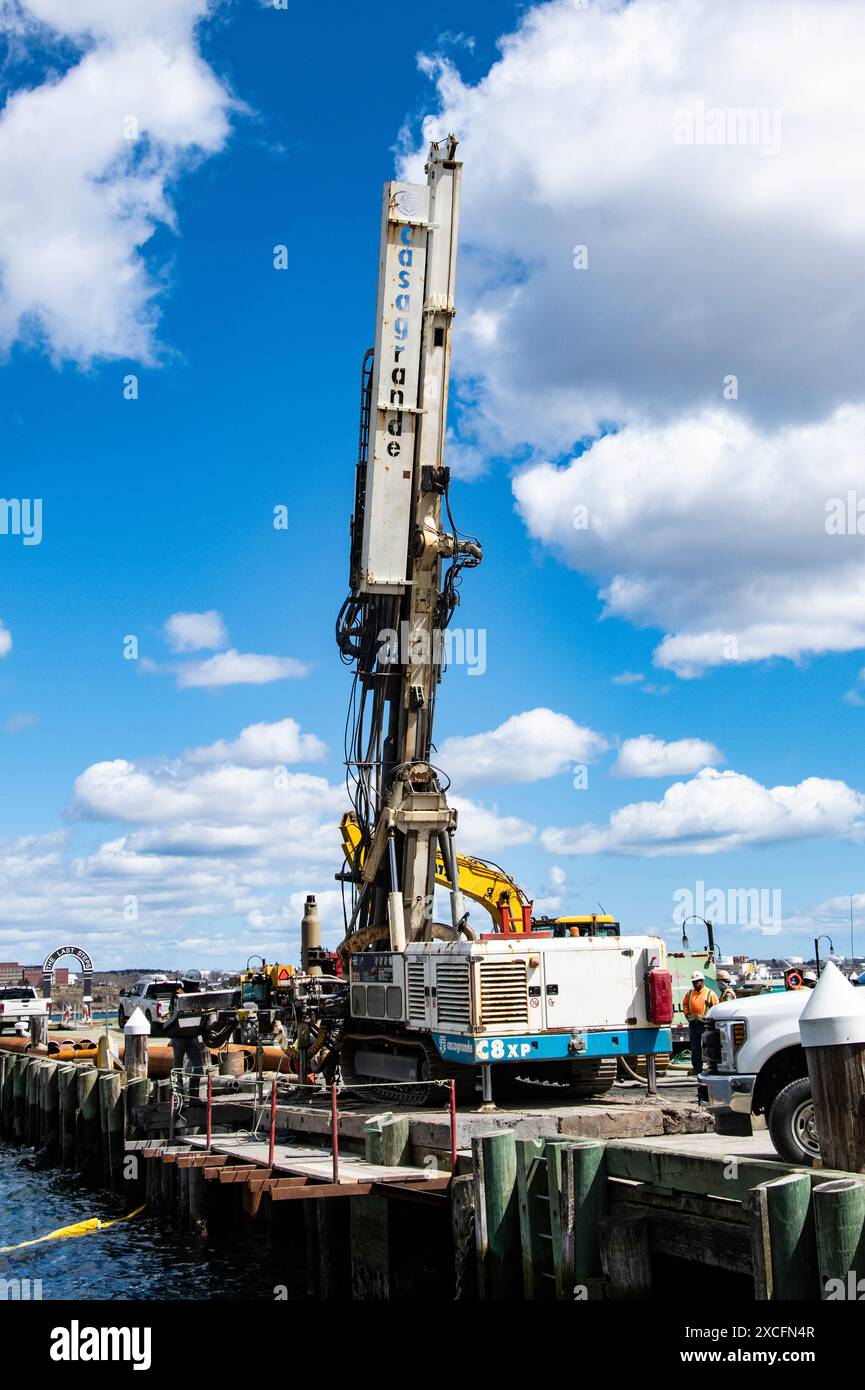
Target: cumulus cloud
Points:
(525, 748)
(5, 639)
(593, 130)
(204, 856)
(239, 668)
(648, 756)
(719, 811)
(714, 530)
(191, 632)
(263, 745)
(90, 160)
(483, 831)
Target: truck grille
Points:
(453, 998)
(504, 996)
(415, 989)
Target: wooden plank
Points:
(700, 1239)
(434, 1191)
(729, 1177)
(316, 1191)
(712, 1208)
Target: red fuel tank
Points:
(660, 991)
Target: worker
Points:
(695, 1005)
(189, 1049)
(727, 990)
(809, 979)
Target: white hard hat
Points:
(698, 975)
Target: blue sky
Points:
(706, 515)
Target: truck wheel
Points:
(121, 1018)
(792, 1124)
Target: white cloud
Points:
(263, 745)
(81, 198)
(5, 639)
(570, 139)
(719, 811)
(628, 678)
(482, 831)
(705, 515)
(715, 531)
(648, 756)
(525, 748)
(239, 668)
(190, 632)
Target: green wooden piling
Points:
(67, 1091)
(386, 1140)
(497, 1216)
(89, 1132)
(6, 1060)
(784, 1240)
(577, 1181)
(839, 1213)
(136, 1093)
(111, 1123)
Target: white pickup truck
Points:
(20, 1001)
(754, 1064)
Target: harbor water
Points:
(138, 1259)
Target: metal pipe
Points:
(209, 1108)
(487, 1085)
(272, 1145)
(335, 1130)
(453, 1125)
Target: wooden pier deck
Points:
(308, 1161)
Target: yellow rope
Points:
(80, 1228)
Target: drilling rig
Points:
(427, 999)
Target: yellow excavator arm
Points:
(484, 883)
(487, 884)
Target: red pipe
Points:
(272, 1123)
(453, 1125)
(334, 1124)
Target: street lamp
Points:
(695, 917)
(817, 939)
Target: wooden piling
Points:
(497, 1220)
(67, 1105)
(49, 1108)
(32, 1131)
(111, 1123)
(832, 1029)
(136, 1094)
(386, 1140)
(625, 1256)
(88, 1129)
(783, 1239)
(19, 1099)
(577, 1182)
(839, 1214)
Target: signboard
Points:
(393, 424)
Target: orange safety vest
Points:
(697, 1001)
